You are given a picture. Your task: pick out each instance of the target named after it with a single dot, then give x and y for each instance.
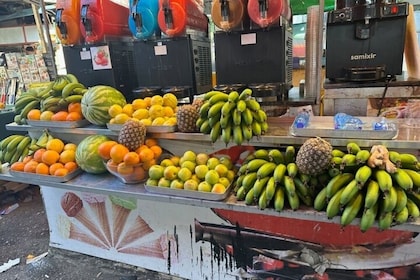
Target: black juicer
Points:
(365, 42)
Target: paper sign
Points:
(249, 39)
(100, 58)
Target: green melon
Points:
(96, 102)
(87, 156)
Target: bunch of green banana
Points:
(14, 148)
(235, 117)
(71, 92)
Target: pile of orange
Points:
(57, 159)
(133, 163)
(73, 112)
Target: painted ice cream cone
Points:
(163, 247)
(71, 231)
(73, 206)
(138, 229)
(121, 208)
(97, 204)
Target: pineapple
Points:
(186, 117)
(132, 134)
(314, 156)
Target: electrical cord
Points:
(387, 82)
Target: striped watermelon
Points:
(96, 102)
(87, 156)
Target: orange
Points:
(61, 172)
(67, 156)
(111, 165)
(118, 152)
(30, 166)
(148, 164)
(104, 149)
(34, 114)
(146, 155)
(138, 173)
(42, 168)
(54, 167)
(71, 166)
(74, 116)
(156, 150)
(55, 144)
(70, 146)
(131, 158)
(142, 147)
(26, 159)
(75, 107)
(59, 116)
(17, 166)
(50, 156)
(38, 154)
(124, 168)
(150, 142)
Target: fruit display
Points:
(235, 117)
(194, 172)
(87, 155)
(375, 185)
(53, 97)
(154, 110)
(96, 102)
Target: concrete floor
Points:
(24, 232)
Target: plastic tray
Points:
(188, 193)
(65, 124)
(324, 127)
(49, 178)
(150, 128)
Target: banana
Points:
(306, 179)
(233, 96)
(256, 128)
(15, 157)
(238, 181)
(255, 164)
(333, 172)
(337, 183)
(76, 98)
(333, 205)
(262, 200)
(352, 148)
(290, 154)
(372, 194)
(402, 179)
(215, 109)
(25, 142)
(7, 140)
(362, 156)
(241, 106)
(270, 189)
(205, 127)
(362, 175)
(279, 173)
(350, 191)
(292, 169)
(262, 154)
(50, 101)
(226, 134)
(211, 93)
(415, 177)
(279, 198)
(320, 201)
(59, 83)
(408, 159)
(71, 78)
(199, 122)
(12, 145)
(31, 105)
(385, 220)
(264, 127)
(390, 200)
(249, 197)
(215, 132)
(204, 109)
(337, 153)
(351, 210)
(348, 160)
(395, 158)
(276, 156)
(43, 139)
(214, 119)
(262, 116)
(24, 153)
(225, 120)
(300, 187)
(368, 217)
(220, 97)
(240, 193)
(8, 155)
(227, 108)
(413, 209)
(384, 180)
(289, 186)
(294, 201)
(246, 116)
(259, 186)
(80, 91)
(245, 94)
(401, 216)
(246, 132)
(249, 181)
(401, 199)
(236, 117)
(252, 105)
(22, 101)
(238, 137)
(68, 89)
(266, 170)
(243, 169)
(336, 161)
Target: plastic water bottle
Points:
(301, 120)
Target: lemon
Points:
(156, 100)
(141, 113)
(46, 116)
(158, 121)
(139, 103)
(121, 118)
(168, 111)
(114, 110)
(169, 99)
(156, 111)
(128, 109)
(146, 122)
(170, 121)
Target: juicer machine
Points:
(365, 40)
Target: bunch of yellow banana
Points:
(373, 194)
(235, 117)
(270, 178)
